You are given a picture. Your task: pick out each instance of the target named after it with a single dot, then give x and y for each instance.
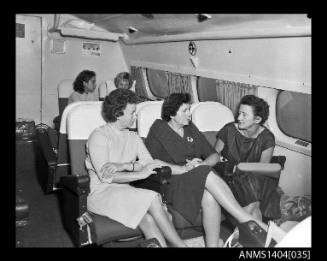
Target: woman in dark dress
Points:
(194, 185)
(249, 141)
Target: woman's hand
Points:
(194, 163)
(108, 169)
(149, 169)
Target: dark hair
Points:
(172, 104)
(259, 106)
(123, 76)
(115, 103)
(83, 76)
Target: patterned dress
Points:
(185, 191)
(248, 188)
(118, 201)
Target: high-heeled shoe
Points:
(251, 234)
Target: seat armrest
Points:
(267, 169)
(279, 159)
(77, 184)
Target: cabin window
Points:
(293, 111)
(206, 88)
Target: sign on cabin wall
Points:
(91, 49)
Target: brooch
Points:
(189, 139)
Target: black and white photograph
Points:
(164, 130)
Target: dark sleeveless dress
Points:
(249, 188)
(185, 190)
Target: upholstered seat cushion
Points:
(106, 230)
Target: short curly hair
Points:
(172, 104)
(123, 76)
(83, 76)
(115, 103)
(260, 106)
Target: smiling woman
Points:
(249, 140)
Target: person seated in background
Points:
(248, 140)
(117, 156)
(123, 80)
(194, 185)
(84, 87)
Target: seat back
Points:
(210, 117)
(147, 112)
(65, 89)
(105, 88)
(63, 160)
(81, 121)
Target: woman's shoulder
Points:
(267, 134)
(230, 126)
(158, 124)
(99, 133)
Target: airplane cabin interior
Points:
(215, 58)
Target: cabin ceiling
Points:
(157, 25)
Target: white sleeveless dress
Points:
(118, 201)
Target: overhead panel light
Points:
(132, 29)
(203, 17)
(149, 16)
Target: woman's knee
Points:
(147, 221)
(157, 201)
(208, 200)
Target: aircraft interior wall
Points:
(59, 66)
(281, 63)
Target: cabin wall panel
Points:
(295, 179)
(28, 69)
(282, 63)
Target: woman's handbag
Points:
(157, 182)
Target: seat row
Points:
(79, 120)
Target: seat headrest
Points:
(147, 112)
(68, 108)
(65, 88)
(83, 119)
(210, 116)
(106, 87)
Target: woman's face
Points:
(246, 119)
(183, 115)
(90, 85)
(123, 84)
(127, 120)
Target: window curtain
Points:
(158, 82)
(230, 93)
(136, 74)
(179, 83)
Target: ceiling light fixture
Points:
(149, 16)
(203, 17)
(132, 29)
